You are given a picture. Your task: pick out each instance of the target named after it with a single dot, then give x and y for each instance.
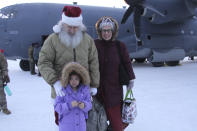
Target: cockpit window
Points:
(7, 13)
(6, 16)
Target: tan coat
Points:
(54, 55)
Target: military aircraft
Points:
(167, 32)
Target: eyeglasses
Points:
(106, 30)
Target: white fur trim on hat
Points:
(72, 21)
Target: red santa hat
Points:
(71, 15)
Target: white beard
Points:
(70, 40)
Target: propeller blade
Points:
(133, 2)
(137, 23)
(126, 15)
(148, 6)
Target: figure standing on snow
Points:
(36, 51)
(32, 61)
(4, 79)
(68, 43)
(110, 92)
(74, 106)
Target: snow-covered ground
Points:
(166, 99)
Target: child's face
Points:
(74, 80)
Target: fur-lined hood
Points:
(74, 66)
(116, 27)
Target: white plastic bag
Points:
(129, 110)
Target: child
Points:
(74, 106)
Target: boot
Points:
(33, 73)
(6, 111)
(56, 118)
(39, 74)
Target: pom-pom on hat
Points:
(71, 15)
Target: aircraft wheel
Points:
(157, 64)
(140, 60)
(24, 65)
(172, 63)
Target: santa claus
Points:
(68, 43)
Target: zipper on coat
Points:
(74, 53)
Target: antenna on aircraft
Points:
(124, 7)
(74, 3)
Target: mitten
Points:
(93, 91)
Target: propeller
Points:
(137, 7)
(133, 7)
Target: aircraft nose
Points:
(2, 29)
(2, 21)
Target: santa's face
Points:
(70, 35)
(71, 30)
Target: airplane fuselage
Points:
(168, 38)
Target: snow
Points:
(166, 99)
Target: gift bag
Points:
(129, 110)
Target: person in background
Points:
(31, 58)
(68, 43)
(74, 106)
(4, 79)
(110, 92)
(36, 51)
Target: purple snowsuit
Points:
(73, 119)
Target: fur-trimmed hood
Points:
(116, 27)
(74, 66)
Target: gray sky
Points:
(108, 3)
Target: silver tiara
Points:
(106, 22)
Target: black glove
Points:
(6, 79)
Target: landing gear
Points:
(157, 64)
(140, 60)
(191, 57)
(172, 63)
(24, 65)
